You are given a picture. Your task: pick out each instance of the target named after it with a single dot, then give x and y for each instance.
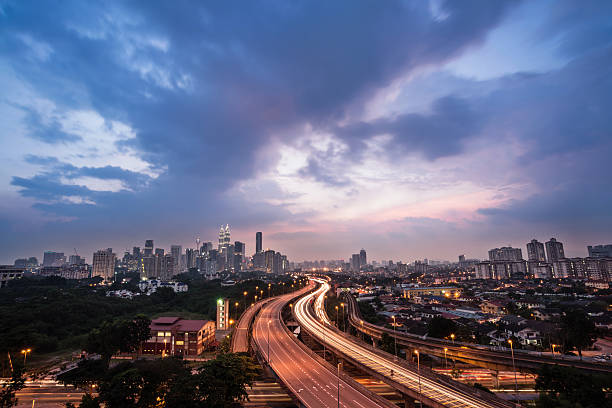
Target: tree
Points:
(440, 328)
(578, 330)
(118, 335)
(569, 387)
(223, 381)
(8, 397)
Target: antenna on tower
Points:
(198, 244)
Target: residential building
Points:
(505, 254)
(535, 251)
(223, 314)
(51, 258)
(446, 291)
(554, 250)
(600, 251)
(103, 264)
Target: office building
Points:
(600, 251)
(505, 254)
(363, 259)
(51, 258)
(535, 251)
(177, 252)
(103, 264)
(258, 242)
(76, 260)
(355, 264)
(224, 237)
(148, 248)
(554, 250)
(175, 336)
(239, 255)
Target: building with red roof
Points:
(175, 336)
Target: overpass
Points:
(240, 337)
(313, 381)
(412, 381)
(494, 358)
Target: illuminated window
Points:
(168, 334)
(179, 342)
(160, 334)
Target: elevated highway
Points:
(240, 338)
(482, 356)
(412, 381)
(309, 378)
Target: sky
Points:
(413, 129)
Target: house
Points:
(493, 307)
(177, 336)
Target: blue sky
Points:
(412, 129)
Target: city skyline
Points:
(458, 128)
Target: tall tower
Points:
(148, 248)
(258, 242)
(535, 251)
(363, 259)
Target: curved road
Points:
(314, 384)
(240, 338)
(441, 394)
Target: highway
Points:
(311, 380)
(483, 356)
(240, 338)
(433, 392)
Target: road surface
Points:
(440, 393)
(313, 383)
(240, 338)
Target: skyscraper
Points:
(51, 258)
(177, 251)
(535, 251)
(103, 264)
(258, 242)
(355, 264)
(363, 260)
(148, 248)
(239, 251)
(600, 251)
(224, 237)
(554, 250)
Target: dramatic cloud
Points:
(345, 123)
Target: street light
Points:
(269, 321)
(343, 322)
(25, 354)
(338, 383)
(514, 369)
(453, 338)
(419, 375)
(236, 312)
(445, 364)
(245, 300)
(394, 338)
(337, 321)
(553, 350)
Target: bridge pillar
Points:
(409, 402)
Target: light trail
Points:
(319, 326)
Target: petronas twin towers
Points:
(224, 237)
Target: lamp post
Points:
(394, 338)
(338, 385)
(269, 287)
(445, 364)
(453, 338)
(269, 360)
(25, 354)
(245, 300)
(343, 318)
(553, 350)
(419, 375)
(337, 321)
(514, 369)
(236, 312)
(361, 321)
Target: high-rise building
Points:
(535, 251)
(167, 267)
(223, 314)
(148, 248)
(239, 252)
(363, 259)
(600, 251)
(224, 237)
(177, 251)
(103, 264)
(269, 260)
(554, 250)
(258, 242)
(51, 258)
(505, 254)
(76, 260)
(136, 254)
(355, 264)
